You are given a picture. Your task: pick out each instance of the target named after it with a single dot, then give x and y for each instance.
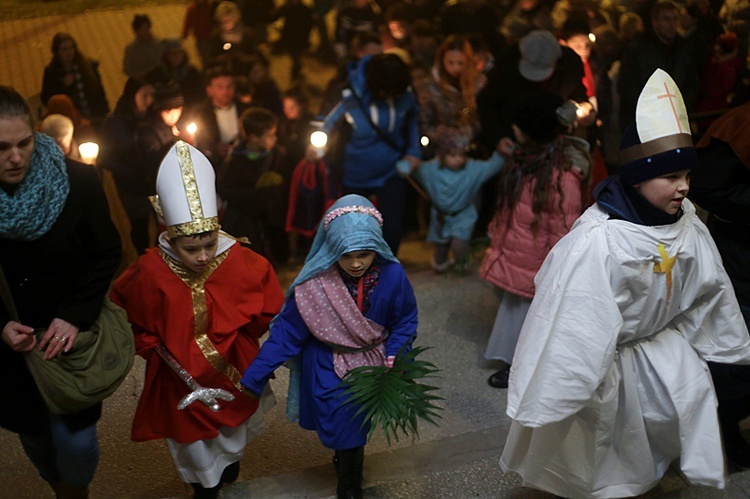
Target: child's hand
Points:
(403, 167)
(389, 361)
(413, 160)
(506, 146)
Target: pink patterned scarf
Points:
(332, 316)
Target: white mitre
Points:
(186, 192)
(661, 119)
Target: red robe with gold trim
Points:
(203, 320)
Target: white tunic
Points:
(609, 382)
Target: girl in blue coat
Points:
(350, 306)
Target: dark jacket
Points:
(208, 136)
(117, 144)
(95, 107)
(721, 185)
(153, 139)
(258, 188)
(644, 55)
(505, 85)
(64, 274)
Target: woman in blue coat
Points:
(383, 113)
(350, 306)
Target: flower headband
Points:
(333, 214)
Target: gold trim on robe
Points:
(196, 283)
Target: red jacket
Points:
(219, 321)
(516, 253)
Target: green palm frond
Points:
(394, 399)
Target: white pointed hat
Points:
(659, 142)
(186, 192)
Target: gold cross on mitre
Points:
(665, 266)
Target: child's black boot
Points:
(348, 463)
(201, 492)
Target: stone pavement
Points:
(458, 459)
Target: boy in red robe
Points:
(198, 305)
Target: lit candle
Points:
(89, 152)
(318, 140)
(191, 129)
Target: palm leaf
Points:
(394, 399)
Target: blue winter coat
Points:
(322, 407)
(369, 161)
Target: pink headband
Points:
(333, 214)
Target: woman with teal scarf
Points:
(58, 251)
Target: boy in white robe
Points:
(609, 382)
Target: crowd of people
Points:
(563, 131)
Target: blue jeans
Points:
(62, 455)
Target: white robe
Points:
(609, 382)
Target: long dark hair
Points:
(126, 102)
(533, 162)
(84, 65)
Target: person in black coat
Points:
(217, 116)
(74, 75)
(536, 63)
(721, 185)
(175, 65)
(118, 155)
(254, 184)
(58, 253)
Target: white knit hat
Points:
(186, 192)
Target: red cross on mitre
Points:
(671, 96)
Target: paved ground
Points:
(458, 459)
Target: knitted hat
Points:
(540, 51)
(167, 95)
(186, 192)
(535, 113)
(451, 140)
(659, 142)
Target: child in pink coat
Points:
(539, 198)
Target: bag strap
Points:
(386, 138)
(10, 305)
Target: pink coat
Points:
(515, 253)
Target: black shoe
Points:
(201, 492)
(231, 473)
(500, 378)
(738, 458)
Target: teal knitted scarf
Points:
(31, 210)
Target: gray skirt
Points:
(508, 323)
